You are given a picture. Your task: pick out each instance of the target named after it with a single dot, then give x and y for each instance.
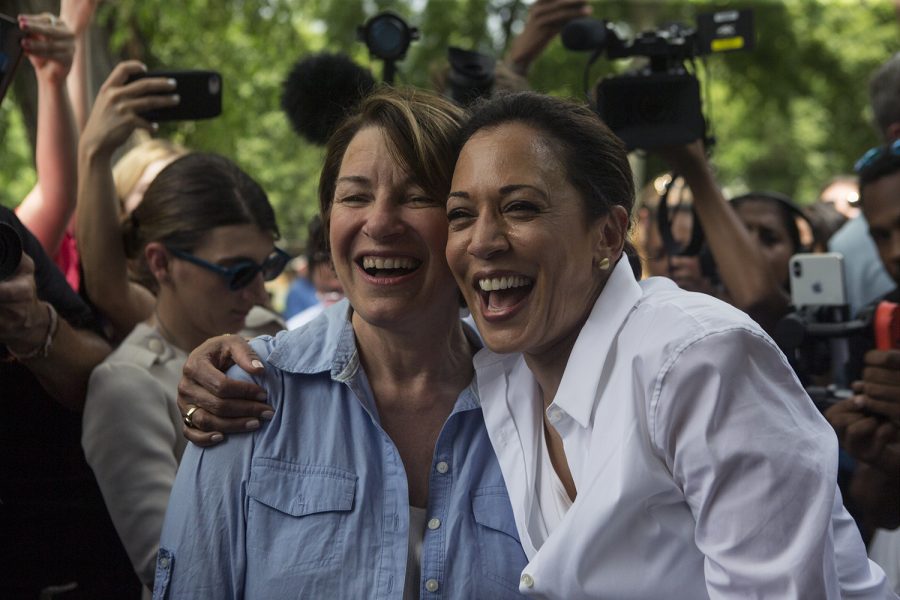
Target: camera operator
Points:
(749, 267)
(868, 424)
(50, 508)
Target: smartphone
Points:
(10, 51)
(200, 92)
(817, 280)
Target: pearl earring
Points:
(604, 264)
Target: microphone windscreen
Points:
(584, 34)
(320, 90)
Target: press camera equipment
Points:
(819, 337)
(471, 75)
(658, 104)
(10, 250)
(388, 37)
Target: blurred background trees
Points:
(787, 116)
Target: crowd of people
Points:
(501, 372)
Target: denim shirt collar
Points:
(328, 344)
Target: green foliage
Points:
(787, 116)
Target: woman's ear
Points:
(159, 261)
(611, 233)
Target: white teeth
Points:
(377, 262)
(503, 283)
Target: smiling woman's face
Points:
(388, 237)
(520, 244)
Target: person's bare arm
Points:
(113, 119)
(750, 284)
(546, 19)
(78, 15)
(223, 405)
(25, 324)
(48, 208)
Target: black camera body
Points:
(659, 104)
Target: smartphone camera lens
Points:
(215, 85)
(798, 269)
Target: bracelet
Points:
(44, 349)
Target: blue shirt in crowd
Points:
(315, 503)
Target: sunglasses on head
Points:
(243, 272)
(873, 154)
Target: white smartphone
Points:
(817, 280)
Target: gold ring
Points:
(187, 417)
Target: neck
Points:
(548, 363)
(420, 361)
(172, 324)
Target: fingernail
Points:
(267, 415)
(261, 397)
(859, 401)
(176, 97)
(256, 364)
(154, 126)
(252, 424)
(216, 438)
(172, 82)
(143, 67)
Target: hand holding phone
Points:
(199, 92)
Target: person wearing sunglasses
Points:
(202, 240)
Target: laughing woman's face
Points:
(520, 244)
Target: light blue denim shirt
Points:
(315, 503)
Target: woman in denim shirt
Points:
(375, 476)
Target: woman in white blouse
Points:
(655, 442)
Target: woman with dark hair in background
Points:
(202, 240)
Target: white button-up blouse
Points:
(702, 468)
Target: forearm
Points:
(743, 269)
(78, 82)
(65, 371)
(47, 210)
(99, 233)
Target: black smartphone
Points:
(200, 92)
(10, 51)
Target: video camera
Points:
(659, 104)
(819, 337)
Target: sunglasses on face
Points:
(243, 272)
(874, 154)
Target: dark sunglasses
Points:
(241, 273)
(873, 154)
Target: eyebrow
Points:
(504, 191)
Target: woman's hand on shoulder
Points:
(213, 404)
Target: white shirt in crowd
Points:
(701, 466)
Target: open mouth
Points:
(501, 294)
(386, 267)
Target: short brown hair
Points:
(421, 128)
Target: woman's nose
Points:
(383, 220)
(488, 237)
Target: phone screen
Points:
(10, 51)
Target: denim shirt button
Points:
(164, 562)
(442, 467)
(434, 523)
(527, 580)
(432, 585)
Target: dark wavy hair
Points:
(595, 159)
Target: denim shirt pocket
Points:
(501, 554)
(298, 514)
